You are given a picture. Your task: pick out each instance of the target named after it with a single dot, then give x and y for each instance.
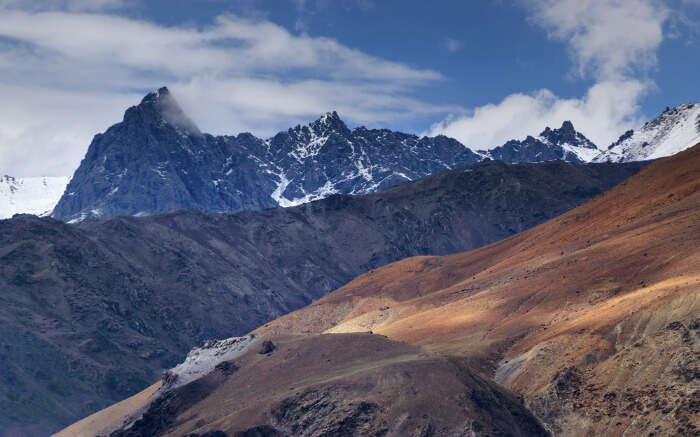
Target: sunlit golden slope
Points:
(594, 316)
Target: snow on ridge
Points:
(33, 195)
(585, 154)
(671, 132)
(281, 186)
(309, 148)
(200, 361)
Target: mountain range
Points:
(92, 312)
(193, 236)
(157, 160)
(589, 320)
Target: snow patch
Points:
(36, 196)
(281, 186)
(202, 360)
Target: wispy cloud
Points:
(69, 5)
(235, 74)
(610, 41)
(452, 45)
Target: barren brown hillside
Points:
(593, 316)
(323, 385)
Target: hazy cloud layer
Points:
(71, 67)
(614, 42)
(69, 72)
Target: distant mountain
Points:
(92, 312)
(157, 160)
(325, 157)
(36, 196)
(564, 144)
(671, 132)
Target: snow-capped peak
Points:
(329, 122)
(570, 140)
(675, 130)
(566, 134)
(37, 195)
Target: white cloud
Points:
(612, 41)
(70, 74)
(607, 109)
(46, 132)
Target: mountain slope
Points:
(592, 316)
(35, 196)
(323, 385)
(157, 160)
(91, 313)
(671, 132)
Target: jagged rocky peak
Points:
(330, 120)
(567, 134)
(564, 143)
(161, 108)
(328, 123)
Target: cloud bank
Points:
(612, 42)
(70, 68)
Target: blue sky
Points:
(481, 71)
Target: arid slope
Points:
(593, 317)
(324, 385)
(92, 313)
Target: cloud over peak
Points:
(614, 42)
(232, 74)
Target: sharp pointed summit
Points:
(158, 108)
(567, 136)
(330, 121)
(564, 143)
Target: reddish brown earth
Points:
(593, 317)
(326, 385)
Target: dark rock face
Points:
(92, 313)
(564, 144)
(267, 347)
(157, 160)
